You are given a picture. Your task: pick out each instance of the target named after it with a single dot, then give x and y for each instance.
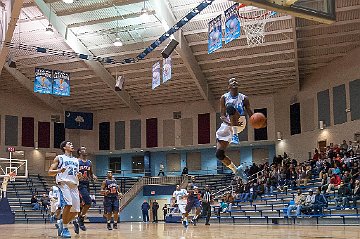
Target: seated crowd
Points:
(338, 169)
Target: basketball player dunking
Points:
(111, 192)
(233, 105)
(66, 169)
(86, 171)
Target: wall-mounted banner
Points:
(156, 75)
(61, 84)
(232, 23)
(214, 35)
(43, 82)
(167, 69)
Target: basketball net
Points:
(253, 21)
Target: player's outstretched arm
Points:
(223, 111)
(247, 106)
(53, 170)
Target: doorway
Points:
(160, 213)
(322, 146)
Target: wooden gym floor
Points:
(176, 231)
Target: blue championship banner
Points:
(167, 69)
(78, 120)
(232, 23)
(43, 82)
(61, 84)
(156, 75)
(214, 35)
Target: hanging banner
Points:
(232, 23)
(167, 69)
(61, 84)
(43, 82)
(214, 35)
(156, 75)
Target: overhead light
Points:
(49, 30)
(279, 136)
(68, 1)
(321, 125)
(117, 42)
(144, 14)
(36, 146)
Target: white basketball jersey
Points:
(71, 165)
(54, 193)
(237, 101)
(179, 196)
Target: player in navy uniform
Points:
(233, 106)
(111, 192)
(193, 201)
(85, 168)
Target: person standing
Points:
(161, 169)
(66, 169)
(206, 201)
(85, 167)
(155, 207)
(111, 192)
(145, 211)
(164, 209)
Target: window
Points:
(193, 161)
(115, 164)
(137, 164)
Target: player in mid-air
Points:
(233, 106)
(112, 194)
(66, 169)
(86, 171)
(180, 196)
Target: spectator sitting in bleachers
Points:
(334, 183)
(320, 203)
(223, 206)
(356, 193)
(34, 203)
(343, 196)
(297, 204)
(45, 202)
(309, 202)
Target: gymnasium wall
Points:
(335, 78)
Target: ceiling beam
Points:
(49, 100)
(98, 6)
(296, 53)
(13, 7)
(78, 46)
(167, 17)
(108, 19)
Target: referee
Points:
(206, 200)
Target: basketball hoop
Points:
(253, 20)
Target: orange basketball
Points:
(258, 121)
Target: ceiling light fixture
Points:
(68, 1)
(118, 42)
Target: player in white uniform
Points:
(180, 196)
(233, 106)
(66, 169)
(55, 209)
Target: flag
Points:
(78, 120)
(61, 84)
(167, 64)
(214, 35)
(232, 23)
(43, 82)
(156, 75)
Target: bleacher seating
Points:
(271, 209)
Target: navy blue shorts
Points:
(192, 202)
(111, 204)
(84, 191)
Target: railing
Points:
(138, 186)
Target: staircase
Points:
(138, 186)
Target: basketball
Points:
(258, 121)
